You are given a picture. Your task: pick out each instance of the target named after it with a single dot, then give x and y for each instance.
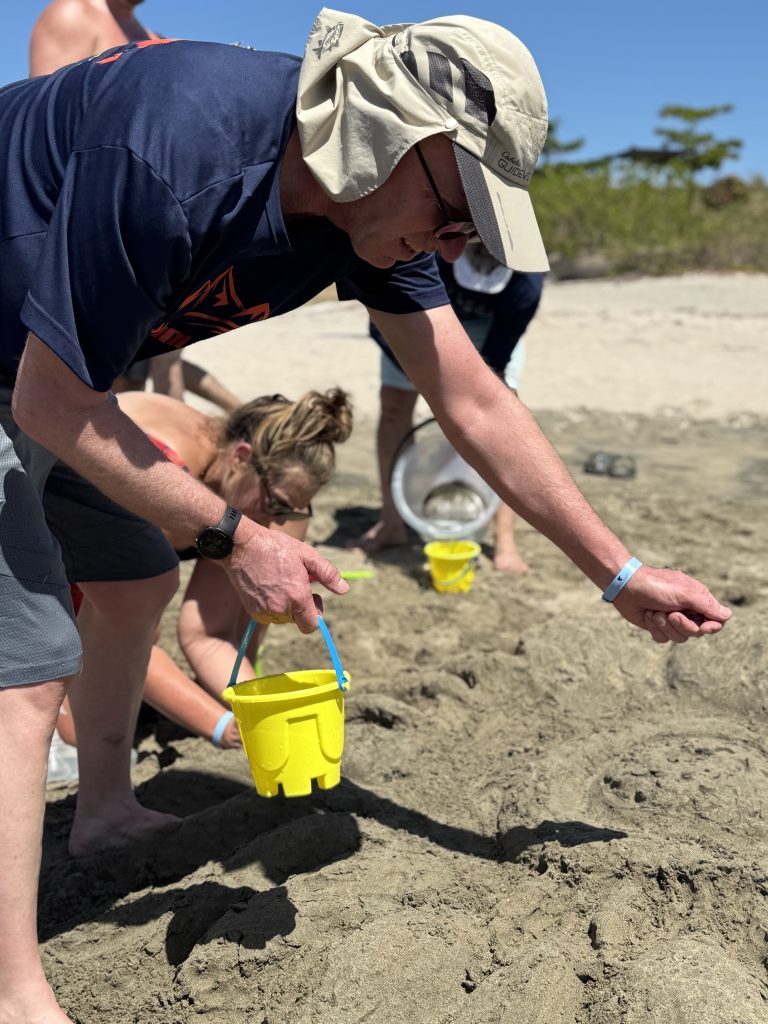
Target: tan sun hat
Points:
(367, 94)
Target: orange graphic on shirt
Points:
(216, 307)
(139, 46)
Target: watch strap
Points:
(229, 521)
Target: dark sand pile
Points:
(544, 817)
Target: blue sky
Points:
(608, 66)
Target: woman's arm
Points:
(171, 692)
(212, 621)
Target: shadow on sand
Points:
(225, 821)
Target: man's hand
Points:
(272, 573)
(673, 607)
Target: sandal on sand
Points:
(599, 463)
(623, 466)
(608, 464)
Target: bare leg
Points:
(27, 718)
(124, 383)
(395, 420)
(117, 623)
(65, 724)
(167, 375)
(171, 692)
(506, 557)
(134, 379)
(205, 385)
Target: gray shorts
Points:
(38, 636)
(96, 538)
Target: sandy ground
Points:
(544, 818)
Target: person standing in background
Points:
(495, 307)
(71, 30)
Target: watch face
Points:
(214, 543)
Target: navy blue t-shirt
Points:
(140, 208)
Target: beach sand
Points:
(544, 817)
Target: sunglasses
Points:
(450, 229)
(280, 509)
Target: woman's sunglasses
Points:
(280, 509)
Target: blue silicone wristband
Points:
(221, 725)
(621, 579)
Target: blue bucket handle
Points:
(341, 678)
(241, 651)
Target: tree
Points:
(695, 150)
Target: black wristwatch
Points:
(218, 541)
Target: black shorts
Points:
(101, 541)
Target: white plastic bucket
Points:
(429, 465)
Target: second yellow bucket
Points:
(291, 725)
(452, 564)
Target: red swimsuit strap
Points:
(168, 452)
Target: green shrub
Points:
(633, 224)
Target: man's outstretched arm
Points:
(496, 434)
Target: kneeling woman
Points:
(269, 458)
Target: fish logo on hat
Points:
(330, 40)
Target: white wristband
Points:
(621, 579)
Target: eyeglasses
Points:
(281, 509)
(451, 229)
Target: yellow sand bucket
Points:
(452, 564)
(292, 724)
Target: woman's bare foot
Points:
(35, 1004)
(383, 534)
(510, 561)
(123, 825)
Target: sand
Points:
(544, 817)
